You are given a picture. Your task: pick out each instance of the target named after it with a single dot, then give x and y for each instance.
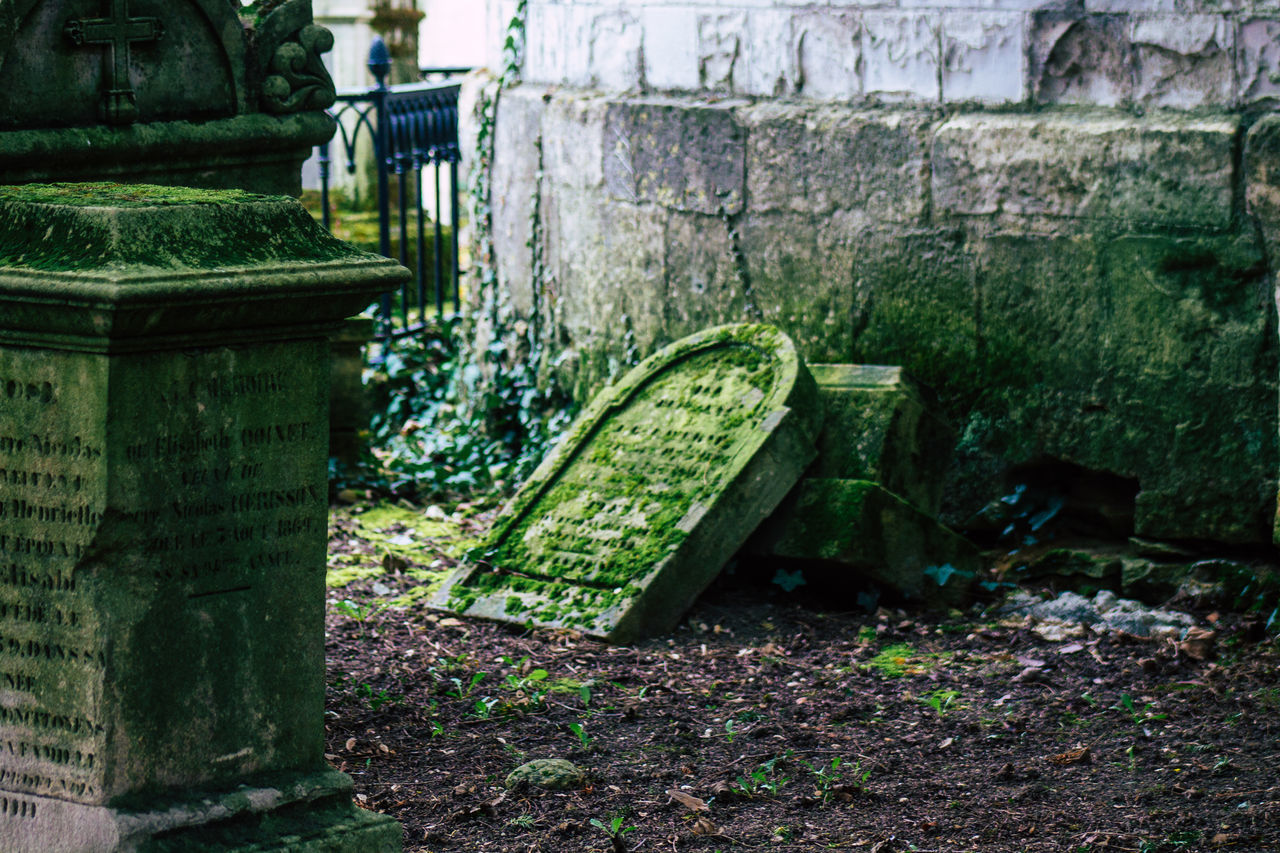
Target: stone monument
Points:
(181, 92)
(163, 432)
(652, 490)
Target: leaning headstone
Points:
(653, 489)
(163, 433)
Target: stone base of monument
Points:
(348, 405)
(873, 535)
(164, 385)
(300, 813)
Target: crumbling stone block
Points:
(874, 535)
(879, 426)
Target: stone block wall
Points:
(1153, 53)
(1059, 219)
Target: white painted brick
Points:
(769, 59)
(575, 45)
(614, 43)
(573, 141)
(670, 47)
(545, 32)
(981, 5)
(719, 49)
(900, 55)
(1258, 52)
(1080, 60)
(1183, 61)
(828, 49)
(984, 56)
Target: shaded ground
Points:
(782, 725)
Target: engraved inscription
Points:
(630, 485)
(50, 656)
(11, 806)
(20, 391)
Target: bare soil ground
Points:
(774, 721)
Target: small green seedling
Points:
(1146, 715)
(941, 701)
(463, 691)
(359, 612)
(615, 830)
(761, 781)
(577, 729)
(838, 779)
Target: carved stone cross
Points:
(117, 31)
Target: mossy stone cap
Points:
(175, 253)
(84, 227)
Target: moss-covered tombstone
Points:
(163, 435)
(653, 489)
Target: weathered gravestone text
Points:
(163, 500)
(652, 491)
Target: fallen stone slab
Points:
(874, 535)
(656, 485)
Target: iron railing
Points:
(412, 128)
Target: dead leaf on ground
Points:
(1072, 756)
(703, 826)
(1198, 643)
(689, 801)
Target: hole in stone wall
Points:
(1051, 499)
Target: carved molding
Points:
(295, 78)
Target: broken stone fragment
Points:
(875, 534)
(879, 426)
(552, 774)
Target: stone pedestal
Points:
(164, 370)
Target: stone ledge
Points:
(1162, 170)
(298, 813)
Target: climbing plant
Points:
(468, 409)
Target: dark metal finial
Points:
(379, 61)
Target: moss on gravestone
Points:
(651, 491)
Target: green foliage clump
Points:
(444, 425)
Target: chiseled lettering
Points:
(189, 444)
(39, 719)
(68, 448)
(190, 571)
(26, 392)
(21, 510)
(39, 650)
(193, 510)
(11, 806)
(271, 560)
(38, 783)
(18, 681)
(45, 480)
(240, 386)
(275, 434)
(275, 499)
(22, 577)
(41, 613)
(62, 755)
